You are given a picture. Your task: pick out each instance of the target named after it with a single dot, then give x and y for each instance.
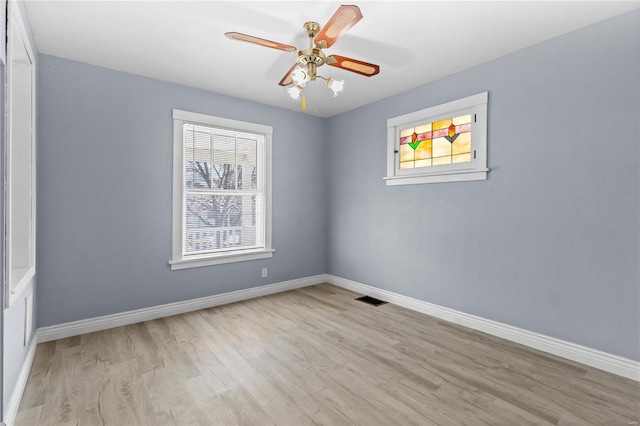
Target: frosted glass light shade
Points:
(294, 92)
(299, 76)
(335, 85)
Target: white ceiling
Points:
(413, 42)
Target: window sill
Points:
(454, 176)
(218, 259)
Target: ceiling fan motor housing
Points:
(311, 56)
(311, 59)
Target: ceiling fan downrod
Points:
(313, 57)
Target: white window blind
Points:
(224, 190)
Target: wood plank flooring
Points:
(313, 356)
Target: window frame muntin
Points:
(178, 259)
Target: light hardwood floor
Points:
(313, 356)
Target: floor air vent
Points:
(371, 300)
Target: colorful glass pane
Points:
(463, 119)
(462, 144)
(414, 141)
(424, 136)
(437, 161)
(462, 128)
(406, 132)
(452, 130)
(442, 142)
(441, 148)
(423, 150)
(443, 124)
(423, 129)
(461, 158)
(406, 153)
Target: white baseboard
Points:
(594, 358)
(16, 396)
(75, 328)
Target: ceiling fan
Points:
(308, 60)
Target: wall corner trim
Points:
(592, 357)
(75, 328)
(16, 396)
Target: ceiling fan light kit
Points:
(308, 60)
(294, 92)
(335, 85)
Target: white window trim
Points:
(12, 293)
(178, 261)
(475, 105)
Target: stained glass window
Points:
(432, 144)
(441, 143)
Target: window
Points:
(221, 190)
(20, 155)
(444, 143)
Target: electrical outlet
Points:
(264, 272)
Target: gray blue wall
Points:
(104, 206)
(549, 242)
(14, 350)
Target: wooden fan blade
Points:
(345, 17)
(287, 80)
(261, 42)
(353, 65)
